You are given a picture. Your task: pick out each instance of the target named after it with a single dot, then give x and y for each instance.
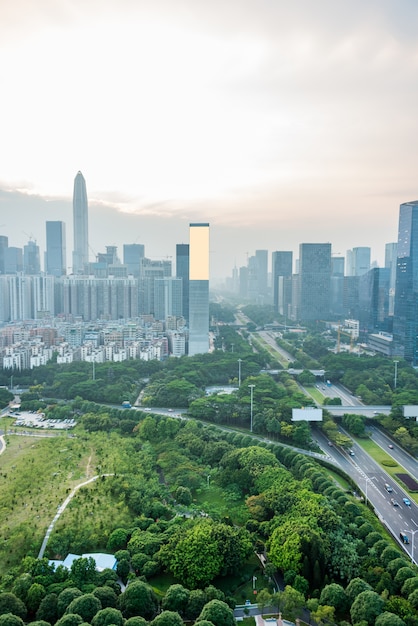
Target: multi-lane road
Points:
(373, 483)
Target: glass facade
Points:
(405, 321)
(199, 289)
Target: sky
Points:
(277, 122)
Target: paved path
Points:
(62, 508)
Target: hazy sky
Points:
(277, 122)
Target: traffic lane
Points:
(397, 453)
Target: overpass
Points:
(368, 411)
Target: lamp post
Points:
(412, 545)
(239, 372)
(251, 409)
(396, 374)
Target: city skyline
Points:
(277, 124)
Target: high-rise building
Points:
(405, 320)
(361, 260)
(4, 243)
(281, 273)
(337, 285)
(262, 273)
(31, 258)
(13, 260)
(133, 253)
(81, 225)
(314, 281)
(167, 298)
(199, 289)
(390, 263)
(182, 271)
(56, 257)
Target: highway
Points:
(371, 480)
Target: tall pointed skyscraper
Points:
(81, 225)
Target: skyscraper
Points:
(405, 321)
(314, 281)
(361, 260)
(182, 271)
(4, 243)
(199, 289)
(56, 257)
(81, 226)
(132, 255)
(281, 273)
(31, 258)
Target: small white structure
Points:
(307, 414)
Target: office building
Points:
(13, 260)
(199, 289)
(405, 320)
(374, 300)
(391, 250)
(4, 243)
(167, 298)
(31, 258)
(56, 256)
(314, 281)
(281, 274)
(360, 261)
(337, 286)
(80, 225)
(182, 271)
(133, 253)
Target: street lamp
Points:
(412, 545)
(251, 410)
(239, 372)
(396, 374)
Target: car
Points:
(170, 410)
(388, 488)
(351, 452)
(330, 443)
(390, 446)
(406, 501)
(404, 538)
(394, 502)
(248, 603)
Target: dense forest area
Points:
(184, 507)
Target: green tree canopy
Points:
(218, 613)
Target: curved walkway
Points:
(62, 508)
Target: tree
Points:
(218, 613)
(138, 599)
(87, 606)
(355, 587)
(136, 621)
(389, 619)
(70, 620)
(197, 600)
(48, 609)
(334, 595)
(176, 599)
(117, 540)
(36, 593)
(167, 618)
(8, 619)
(10, 603)
(83, 571)
(66, 597)
(193, 556)
(367, 606)
(324, 614)
(263, 599)
(107, 596)
(108, 617)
